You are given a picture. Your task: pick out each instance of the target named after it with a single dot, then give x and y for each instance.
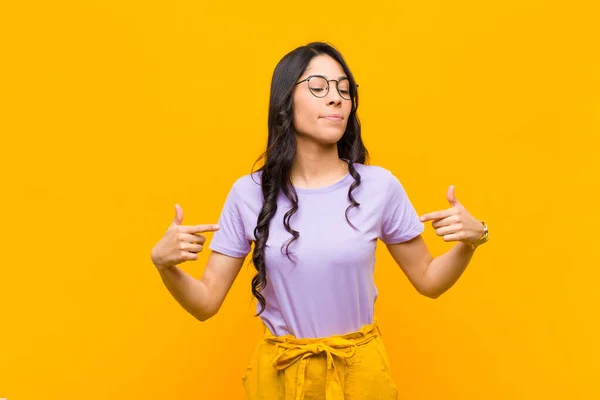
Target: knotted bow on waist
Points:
(299, 350)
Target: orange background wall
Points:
(112, 112)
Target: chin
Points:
(326, 137)
(330, 138)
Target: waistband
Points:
(300, 349)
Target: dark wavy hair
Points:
(281, 150)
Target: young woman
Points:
(315, 211)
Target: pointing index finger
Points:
(435, 215)
(201, 228)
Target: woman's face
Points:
(321, 119)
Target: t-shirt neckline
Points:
(324, 189)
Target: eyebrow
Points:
(323, 76)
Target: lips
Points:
(333, 117)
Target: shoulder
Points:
(247, 187)
(375, 174)
(371, 170)
(381, 183)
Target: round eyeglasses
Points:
(319, 86)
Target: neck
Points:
(317, 166)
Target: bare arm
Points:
(203, 297)
(430, 276)
(434, 276)
(200, 297)
(413, 257)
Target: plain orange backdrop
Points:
(111, 112)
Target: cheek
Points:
(347, 107)
(305, 116)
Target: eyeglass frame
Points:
(337, 82)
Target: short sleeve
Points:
(231, 238)
(400, 221)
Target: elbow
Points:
(203, 317)
(429, 288)
(431, 293)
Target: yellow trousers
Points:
(353, 366)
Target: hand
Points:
(180, 243)
(455, 223)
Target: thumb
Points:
(452, 197)
(178, 215)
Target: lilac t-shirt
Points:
(330, 290)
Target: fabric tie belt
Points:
(300, 350)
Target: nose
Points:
(333, 97)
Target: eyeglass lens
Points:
(318, 87)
